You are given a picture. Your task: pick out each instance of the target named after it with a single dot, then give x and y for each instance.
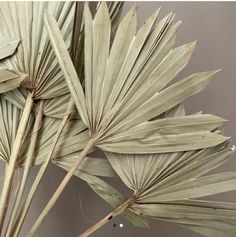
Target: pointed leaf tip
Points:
(103, 9)
(155, 14)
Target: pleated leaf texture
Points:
(8, 47)
(75, 134)
(168, 187)
(21, 60)
(71, 142)
(9, 80)
(22, 26)
(127, 85)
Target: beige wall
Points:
(213, 25)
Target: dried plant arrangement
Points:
(74, 78)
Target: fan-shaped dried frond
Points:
(24, 21)
(35, 56)
(126, 85)
(164, 188)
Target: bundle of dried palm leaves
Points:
(74, 78)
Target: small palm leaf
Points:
(44, 75)
(166, 188)
(126, 85)
(34, 55)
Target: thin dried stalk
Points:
(25, 208)
(61, 187)
(13, 159)
(108, 218)
(37, 125)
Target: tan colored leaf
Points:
(7, 46)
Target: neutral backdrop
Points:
(213, 25)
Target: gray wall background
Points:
(213, 25)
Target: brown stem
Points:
(109, 217)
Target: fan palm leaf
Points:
(148, 176)
(34, 55)
(125, 87)
(72, 140)
(38, 60)
(51, 103)
(136, 63)
(166, 189)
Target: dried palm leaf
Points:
(43, 71)
(126, 86)
(7, 46)
(50, 108)
(10, 80)
(34, 56)
(166, 189)
(72, 140)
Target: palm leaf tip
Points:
(66, 65)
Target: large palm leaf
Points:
(44, 75)
(125, 85)
(43, 72)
